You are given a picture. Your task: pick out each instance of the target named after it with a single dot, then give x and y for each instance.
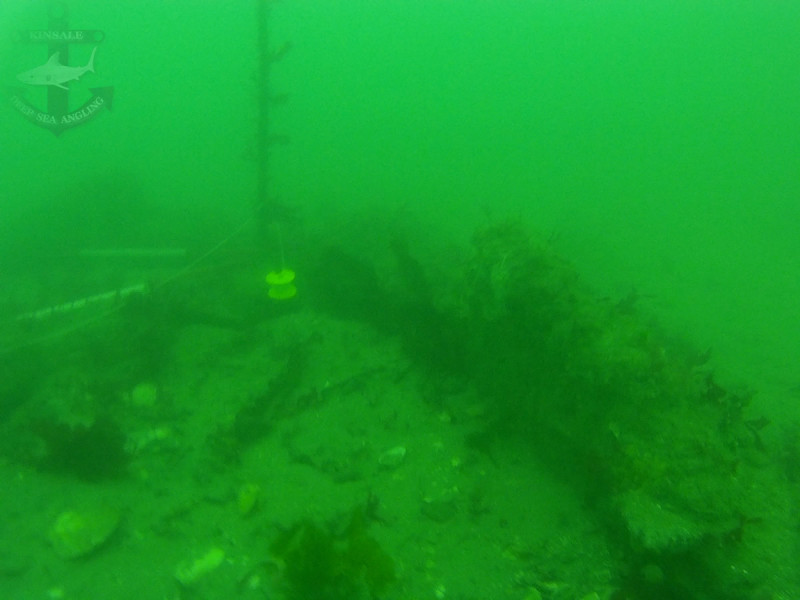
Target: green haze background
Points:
(657, 140)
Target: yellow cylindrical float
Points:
(281, 284)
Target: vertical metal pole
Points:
(263, 96)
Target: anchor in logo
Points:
(56, 75)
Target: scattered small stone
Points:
(393, 457)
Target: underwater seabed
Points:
(398, 429)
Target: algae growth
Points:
(256, 436)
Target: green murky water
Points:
(652, 147)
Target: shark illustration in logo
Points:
(54, 73)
